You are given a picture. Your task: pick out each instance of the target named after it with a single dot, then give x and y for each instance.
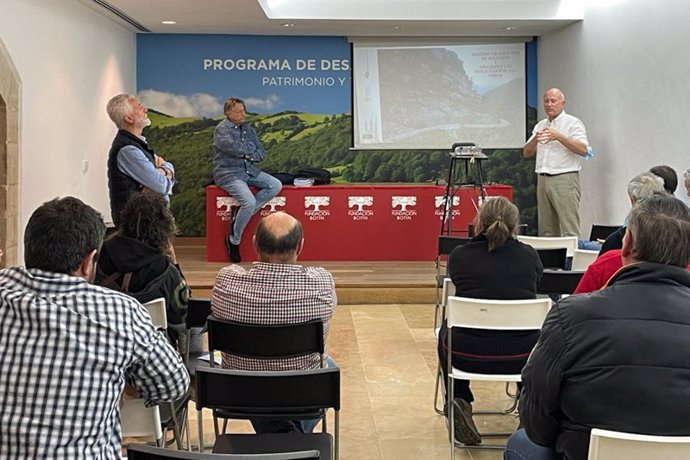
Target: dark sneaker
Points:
(465, 430)
(233, 251)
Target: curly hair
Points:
(147, 218)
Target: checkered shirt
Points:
(274, 294)
(67, 348)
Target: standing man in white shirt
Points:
(560, 143)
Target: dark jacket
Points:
(120, 185)
(617, 359)
(509, 272)
(152, 275)
(613, 241)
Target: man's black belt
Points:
(554, 175)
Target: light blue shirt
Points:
(135, 164)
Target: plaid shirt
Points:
(274, 294)
(66, 350)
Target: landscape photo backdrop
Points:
(298, 95)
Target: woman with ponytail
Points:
(494, 265)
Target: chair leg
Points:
(187, 430)
(451, 419)
(336, 441)
(436, 391)
(225, 426)
(215, 424)
(200, 431)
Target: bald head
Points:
(554, 101)
(278, 238)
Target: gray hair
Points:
(659, 229)
(644, 186)
(686, 177)
(119, 107)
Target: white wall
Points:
(70, 60)
(625, 71)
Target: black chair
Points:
(267, 394)
(144, 452)
(553, 258)
(600, 232)
(264, 342)
(446, 244)
(558, 282)
(198, 310)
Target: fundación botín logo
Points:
(272, 204)
(224, 205)
(316, 202)
(359, 202)
(439, 203)
(404, 202)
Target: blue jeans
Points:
(286, 426)
(589, 245)
(520, 447)
(268, 187)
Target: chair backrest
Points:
(550, 242)
(265, 341)
(198, 310)
(583, 258)
(144, 452)
(555, 258)
(497, 314)
(559, 282)
(274, 392)
(446, 243)
(448, 290)
(616, 445)
(156, 309)
(139, 420)
(600, 232)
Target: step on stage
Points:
(356, 282)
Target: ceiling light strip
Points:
(121, 15)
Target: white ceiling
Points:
(405, 18)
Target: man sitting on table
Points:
(618, 358)
(276, 290)
(68, 348)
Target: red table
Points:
(353, 222)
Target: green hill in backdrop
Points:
(294, 140)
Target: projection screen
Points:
(433, 95)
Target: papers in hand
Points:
(217, 358)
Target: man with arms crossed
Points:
(236, 149)
(68, 348)
(560, 143)
(618, 358)
(133, 166)
(276, 291)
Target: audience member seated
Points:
(139, 260)
(494, 265)
(639, 188)
(617, 358)
(68, 348)
(668, 175)
(276, 290)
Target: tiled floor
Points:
(387, 356)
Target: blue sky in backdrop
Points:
(192, 75)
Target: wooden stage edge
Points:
(357, 283)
